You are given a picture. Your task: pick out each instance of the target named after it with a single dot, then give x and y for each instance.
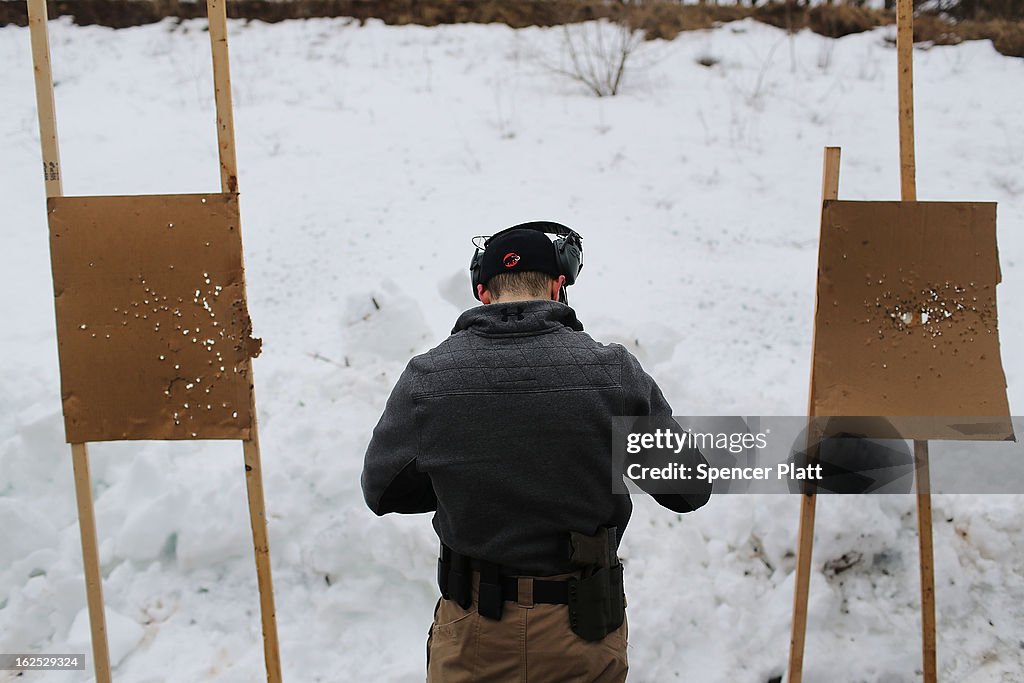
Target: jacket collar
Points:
(518, 317)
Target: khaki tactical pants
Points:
(532, 643)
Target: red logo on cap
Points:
(511, 259)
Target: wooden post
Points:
(905, 85)
(908, 193)
(91, 562)
(927, 560)
(40, 38)
(258, 521)
(217, 14)
(216, 11)
(805, 542)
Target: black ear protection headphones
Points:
(568, 252)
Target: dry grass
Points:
(1000, 20)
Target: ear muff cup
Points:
(569, 253)
(474, 272)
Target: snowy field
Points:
(368, 158)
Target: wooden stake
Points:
(908, 192)
(91, 561)
(924, 536)
(805, 542)
(905, 84)
(217, 13)
(801, 587)
(40, 38)
(258, 521)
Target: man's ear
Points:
(485, 296)
(556, 287)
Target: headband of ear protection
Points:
(568, 252)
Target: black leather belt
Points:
(454, 578)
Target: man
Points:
(504, 431)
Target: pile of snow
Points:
(369, 156)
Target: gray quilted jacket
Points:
(504, 432)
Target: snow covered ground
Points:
(368, 157)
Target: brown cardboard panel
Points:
(906, 320)
(153, 329)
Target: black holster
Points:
(597, 600)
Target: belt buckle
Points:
(524, 592)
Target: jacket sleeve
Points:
(391, 481)
(643, 399)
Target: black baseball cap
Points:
(518, 250)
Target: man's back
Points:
(513, 421)
(505, 430)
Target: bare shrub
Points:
(596, 53)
